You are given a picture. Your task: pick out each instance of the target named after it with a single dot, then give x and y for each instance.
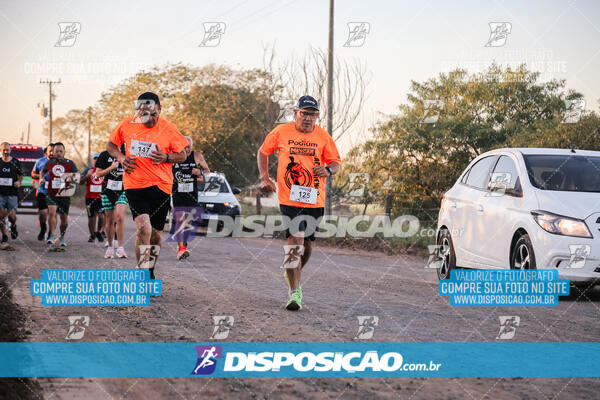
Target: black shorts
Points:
(302, 226)
(93, 207)
(151, 201)
(185, 200)
(42, 204)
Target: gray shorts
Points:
(8, 202)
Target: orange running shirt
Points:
(298, 153)
(168, 139)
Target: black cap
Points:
(307, 102)
(150, 96)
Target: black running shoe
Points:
(13, 231)
(4, 238)
(99, 237)
(91, 239)
(42, 232)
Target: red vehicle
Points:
(27, 154)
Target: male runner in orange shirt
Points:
(307, 156)
(152, 144)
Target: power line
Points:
(50, 82)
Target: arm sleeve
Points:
(271, 143)
(178, 141)
(117, 135)
(330, 152)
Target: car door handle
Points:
(479, 208)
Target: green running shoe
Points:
(295, 301)
(287, 280)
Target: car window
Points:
(505, 173)
(465, 176)
(213, 184)
(569, 173)
(479, 173)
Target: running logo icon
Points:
(187, 221)
(223, 324)
(292, 255)
(431, 111)
(286, 111)
(148, 255)
(212, 34)
(68, 34)
(573, 110)
(207, 359)
(499, 32)
(499, 182)
(357, 34)
(579, 253)
(77, 325)
(437, 256)
(366, 326)
(508, 327)
(357, 182)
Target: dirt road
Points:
(242, 278)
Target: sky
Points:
(406, 40)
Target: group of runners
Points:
(148, 163)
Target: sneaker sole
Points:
(185, 255)
(293, 306)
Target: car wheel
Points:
(445, 252)
(522, 256)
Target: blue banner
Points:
(310, 359)
(478, 287)
(95, 287)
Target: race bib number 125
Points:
(303, 194)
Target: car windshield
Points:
(567, 173)
(213, 184)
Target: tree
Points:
(229, 124)
(71, 130)
(298, 76)
(454, 117)
(228, 112)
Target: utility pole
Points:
(329, 102)
(90, 135)
(28, 130)
(50, 82)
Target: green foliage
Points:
(477, 113)
(227, 112)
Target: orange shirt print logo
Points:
(296, 174)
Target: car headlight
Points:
(560, 225)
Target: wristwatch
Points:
(329, 170)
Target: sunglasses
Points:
(309, 114)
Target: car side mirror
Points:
(514, 192)
(236, 190)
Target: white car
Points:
(524, 208)
(216, 197)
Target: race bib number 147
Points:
(141, 149)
